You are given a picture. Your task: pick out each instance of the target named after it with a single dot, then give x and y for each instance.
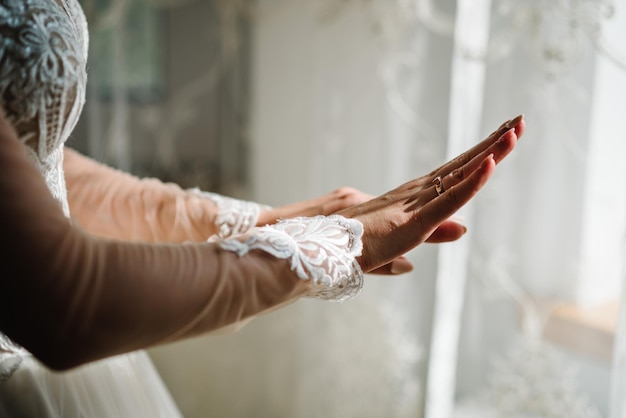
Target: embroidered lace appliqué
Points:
(43, 44)
(321, 249)
(235, 216)
(43, 50)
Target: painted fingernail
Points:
(401, 267)
(502, 137)
(515, 121)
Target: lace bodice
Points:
(43, 78)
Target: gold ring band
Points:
(439, 185)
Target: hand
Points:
(343, 198)
(327, 204)
(415, 212)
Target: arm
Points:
(110, 203)
(114, 204)
(73, 297)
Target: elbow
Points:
(61, 357)
(58, 363)
(50, 344)
(63, 348)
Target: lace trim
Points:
(321, 249)
(235, 216)
(11, 357)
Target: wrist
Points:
(321, 250)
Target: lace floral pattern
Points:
(235, 216)
(43, 77)
(43, 45)
(321, 249)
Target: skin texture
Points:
(77, 297)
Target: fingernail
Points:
(501, 139)
(401, 267)
(515, 121)
(464, 229)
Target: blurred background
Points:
(282, 100)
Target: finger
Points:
(500, 149)
(482, 149)
(520, 128)
(446, 232)
(438, 210)
(398, 266)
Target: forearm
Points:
(144, 295)
(97, 298)
(73, 298)
(113, 204)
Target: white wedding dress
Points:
(43, 56)
(49, 40)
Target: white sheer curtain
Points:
(517, 319)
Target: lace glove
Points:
(234, 216)
(72, 297)
(114, 204)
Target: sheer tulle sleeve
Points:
(70, 297)
(110, 203)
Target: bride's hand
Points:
(417, 211)
(327, 204)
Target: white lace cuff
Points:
(321, 249)
(235, 216)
